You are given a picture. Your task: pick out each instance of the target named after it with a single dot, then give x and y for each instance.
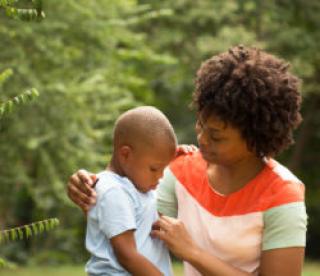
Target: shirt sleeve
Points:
(167, 203)
(285, 226)
(115, 212)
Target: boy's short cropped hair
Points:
(254, 92)
(143, 125)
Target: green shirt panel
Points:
(285, 226)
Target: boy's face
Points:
(144, 167)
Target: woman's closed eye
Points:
(215, 138)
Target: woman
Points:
(239, 211)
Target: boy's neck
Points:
(115, 167)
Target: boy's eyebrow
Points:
(159, 164)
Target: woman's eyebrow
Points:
(213, 129)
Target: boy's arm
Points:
(124, 247)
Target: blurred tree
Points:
(93, 59)
(196, 31)
(34, 228)
(89, 66)
(26, 10)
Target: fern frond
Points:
(5, 263)
(28, 230)
(5, 3)
(5, 75)
(27, 14)
(25, 97)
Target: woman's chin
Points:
(208, 157)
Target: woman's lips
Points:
(206, 154)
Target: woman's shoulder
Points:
(189, 164)
(281, 185)
(186, 160)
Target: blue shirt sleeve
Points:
(115, 210)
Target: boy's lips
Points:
(154, 186)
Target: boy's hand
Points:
(185, 149)
(81, 189)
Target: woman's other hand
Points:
(175, 235)
(185, 149)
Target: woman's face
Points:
(220, 143)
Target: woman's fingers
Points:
(175, 235)
(169, 220)
(79, 196)
(160, 228)
(85, 176)
(164, 224)
(80, 189)
(82, 180)
(164, 227)
(185, 149)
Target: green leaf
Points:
(41, 226)
(28, 231)
(20, 233)
(6, 235)
(2, 110)
(9, 106)
(13, 234)
(5, 75)
(35, 229)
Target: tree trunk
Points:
(304, 134)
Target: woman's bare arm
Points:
(286, 261)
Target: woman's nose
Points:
(201, 137)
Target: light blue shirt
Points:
(121, 207)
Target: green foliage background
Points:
(91, 60)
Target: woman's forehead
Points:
(212, 122)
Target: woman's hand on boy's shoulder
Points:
(81, 189)
(185, 149)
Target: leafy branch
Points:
(35, 13)
(28, 230)
(22, 98)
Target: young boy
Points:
(119, 225)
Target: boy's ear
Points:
(124, 152)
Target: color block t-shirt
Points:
(267, 213)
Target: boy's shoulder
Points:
(106, 180)
(110, 182)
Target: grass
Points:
(310, 269)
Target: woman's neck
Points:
(227, 179)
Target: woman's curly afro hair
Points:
(253, 92)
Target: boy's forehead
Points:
(160, 150)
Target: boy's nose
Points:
(159, 175)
